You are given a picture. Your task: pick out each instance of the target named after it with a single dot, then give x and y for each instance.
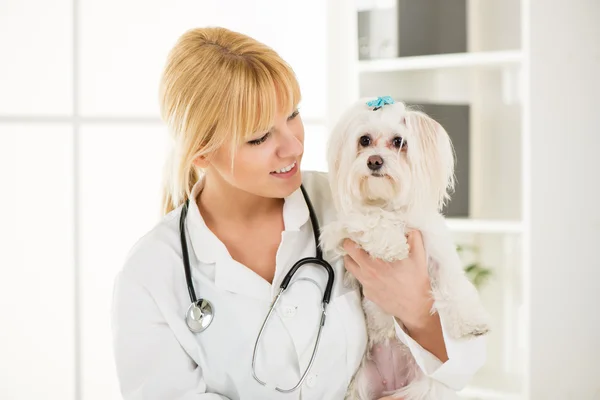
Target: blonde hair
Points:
(218, 86)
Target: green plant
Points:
(476, 273)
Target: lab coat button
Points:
(289, 311)
(311, 380)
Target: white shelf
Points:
(443, 61)
(367, 5)
(493, 386)
(480, 393)
(483, 226)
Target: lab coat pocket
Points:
(348, 307)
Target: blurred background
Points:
(514, 82)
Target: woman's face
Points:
(267, 165)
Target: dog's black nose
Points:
(374, 163)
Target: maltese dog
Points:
(391, 170)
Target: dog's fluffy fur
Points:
(377, 207)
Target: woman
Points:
(231, 105)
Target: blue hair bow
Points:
(380, 102)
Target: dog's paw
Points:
(332, 239)
(480, 330)
(463, 319)
(465, 329)
(457, 301)
(380, 247)
(474, 331)
(350, 281)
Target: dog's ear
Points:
(341, 153)
(432, 157)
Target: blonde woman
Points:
(235, 174)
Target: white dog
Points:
(391, 170)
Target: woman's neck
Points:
(219, 201)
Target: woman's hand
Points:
(402, 289)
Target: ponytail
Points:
(180, 176)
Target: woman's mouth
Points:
(286, 171)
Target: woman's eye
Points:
(399, 142)
(365, 141)
(259, 140)
(266, 135)
(293, 115)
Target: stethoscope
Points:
(200, 313)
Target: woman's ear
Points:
(202, 162)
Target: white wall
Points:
(564, 159)
(81, 154)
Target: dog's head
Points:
(389, 157)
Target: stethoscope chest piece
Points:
(199, 315)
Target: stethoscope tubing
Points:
(195, 316)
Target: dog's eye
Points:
(399, 142)
(365, 141)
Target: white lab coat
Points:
(157, 357)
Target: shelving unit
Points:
(491, 394)
(471, 225)
(489, 59)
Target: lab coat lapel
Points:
(291, 248)
(230, 275)
(234, 277)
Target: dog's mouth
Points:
(378, 175)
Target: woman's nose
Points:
(291, 145)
